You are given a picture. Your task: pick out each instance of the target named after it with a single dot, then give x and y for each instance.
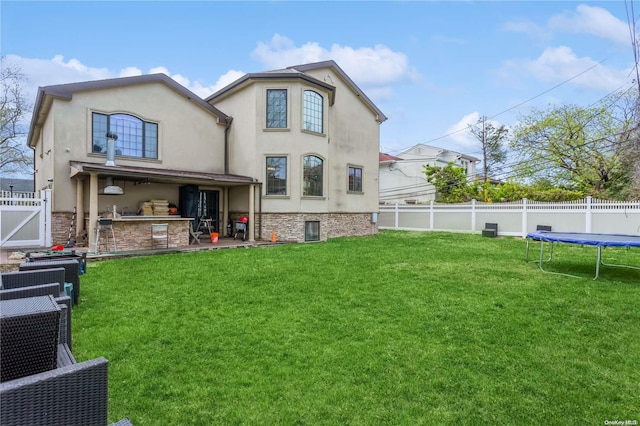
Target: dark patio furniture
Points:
(73, 395)
(39, 256)
(490, 230)
(72, 272)
(30, 332)
(14, 285)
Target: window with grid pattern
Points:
(276, 175)
(355, 179)
(136, 138)
(313, 111)
(312, 176)
(276, 108)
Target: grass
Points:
(400, 329)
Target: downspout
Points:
(227, 127)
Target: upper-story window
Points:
(276, 175)
(312, 176)
(136, 138)
(276, 108)
(313, 111)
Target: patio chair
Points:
(72, 272)
(490, 230)
(194, 236)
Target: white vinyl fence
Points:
(25, 219)
(516, 218)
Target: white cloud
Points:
(459, 138)
(585, 19)
(57, 70)
(458, 133)
(592, 20)
(529, 28)
(557, 64)
(375, 68)
(130, 72)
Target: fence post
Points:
(473, 215)
(396, 215)
(525, 218)
(587, 219)
(431, 215)
(47, 217)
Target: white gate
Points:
(25, 219)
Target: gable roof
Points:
(333, 65)
(382, 157)
(299, 71)
(66, 91)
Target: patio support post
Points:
(93, 209)
(252, 207)
(79, 208)
(225, 212)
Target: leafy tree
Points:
(492, 141)
(571, 146)
(450, 182)
(15, 157)
(628, 186)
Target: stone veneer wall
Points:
(290, 226)
(136, 235)
(60, 222)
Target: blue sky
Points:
(431, 67)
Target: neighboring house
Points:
(295, 150)
(402, 178)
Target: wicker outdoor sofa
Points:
(41, 382)
(41, 282)
(71, 268)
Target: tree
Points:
(572, 147)
(15, 157)
(450, 182)
(492, 144)
(630, 139)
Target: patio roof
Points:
(147, 174)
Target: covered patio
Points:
(118, 192)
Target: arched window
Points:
(313, 111)
(136, 138)
(312, 176)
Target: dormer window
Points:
(313, 111)
(136, 137)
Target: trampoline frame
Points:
(582, 238)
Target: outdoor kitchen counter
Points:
(134, 232)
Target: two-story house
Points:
(295, 150)
(402, 178)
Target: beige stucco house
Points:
(295, 150)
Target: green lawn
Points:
(402, 328)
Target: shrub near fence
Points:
(516, 218)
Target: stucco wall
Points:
(189, 137)
(351, 137)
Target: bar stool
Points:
(105, 227)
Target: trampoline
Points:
(587, 239)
